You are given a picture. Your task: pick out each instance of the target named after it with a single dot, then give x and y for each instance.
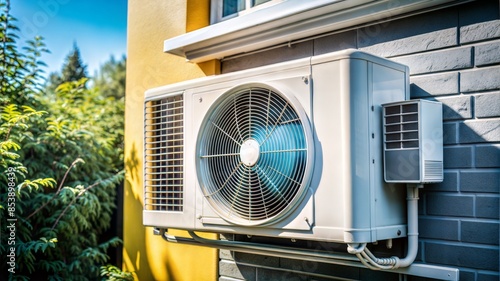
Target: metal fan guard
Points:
(254, 152)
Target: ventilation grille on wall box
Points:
(164, 146)
(413, 143)
(401, 126)
(433, 170)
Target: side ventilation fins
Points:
(163, 154)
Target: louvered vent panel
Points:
(164, 153)
(401, 126)
(433, 171)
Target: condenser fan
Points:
(254, 153)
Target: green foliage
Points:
(113, 273)
(110, 80)
(19, 71)
(61, 158)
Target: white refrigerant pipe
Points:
(372, 262)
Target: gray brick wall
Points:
(454, 57)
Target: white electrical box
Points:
(413, 141)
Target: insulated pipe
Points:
(412, 210)
(372, 262)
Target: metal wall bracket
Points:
(415, 269)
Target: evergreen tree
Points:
(73, 70)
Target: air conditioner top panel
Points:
(355, 54)
(268, 70)
(265, 72)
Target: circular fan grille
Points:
(253, 156)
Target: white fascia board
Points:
(285, 22)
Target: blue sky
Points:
(99, 28)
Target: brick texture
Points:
(480, 31)
(458, 157)
(434, 85)
(450, 205)
(449, 59)
(400, 37)
(487, 105)
(456, 108)
(487, 277)
(480, 79)
(487, 156)
(450, 133)
(480, 232)
(454, 57)
(489, 183)
(296, 51)
(336, 42)
(450, 182)
(436, 228)
(480, 131)
(486, 54)
(487, 207)
(463, 256)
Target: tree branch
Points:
(73, 201)
(58, 189)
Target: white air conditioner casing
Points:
(324, 112)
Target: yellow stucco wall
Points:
(149, 24)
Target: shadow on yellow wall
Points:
(148, 255)
(149, 24)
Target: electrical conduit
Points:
(372, 262)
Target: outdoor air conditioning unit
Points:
(292, 150)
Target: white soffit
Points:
(285, 22)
